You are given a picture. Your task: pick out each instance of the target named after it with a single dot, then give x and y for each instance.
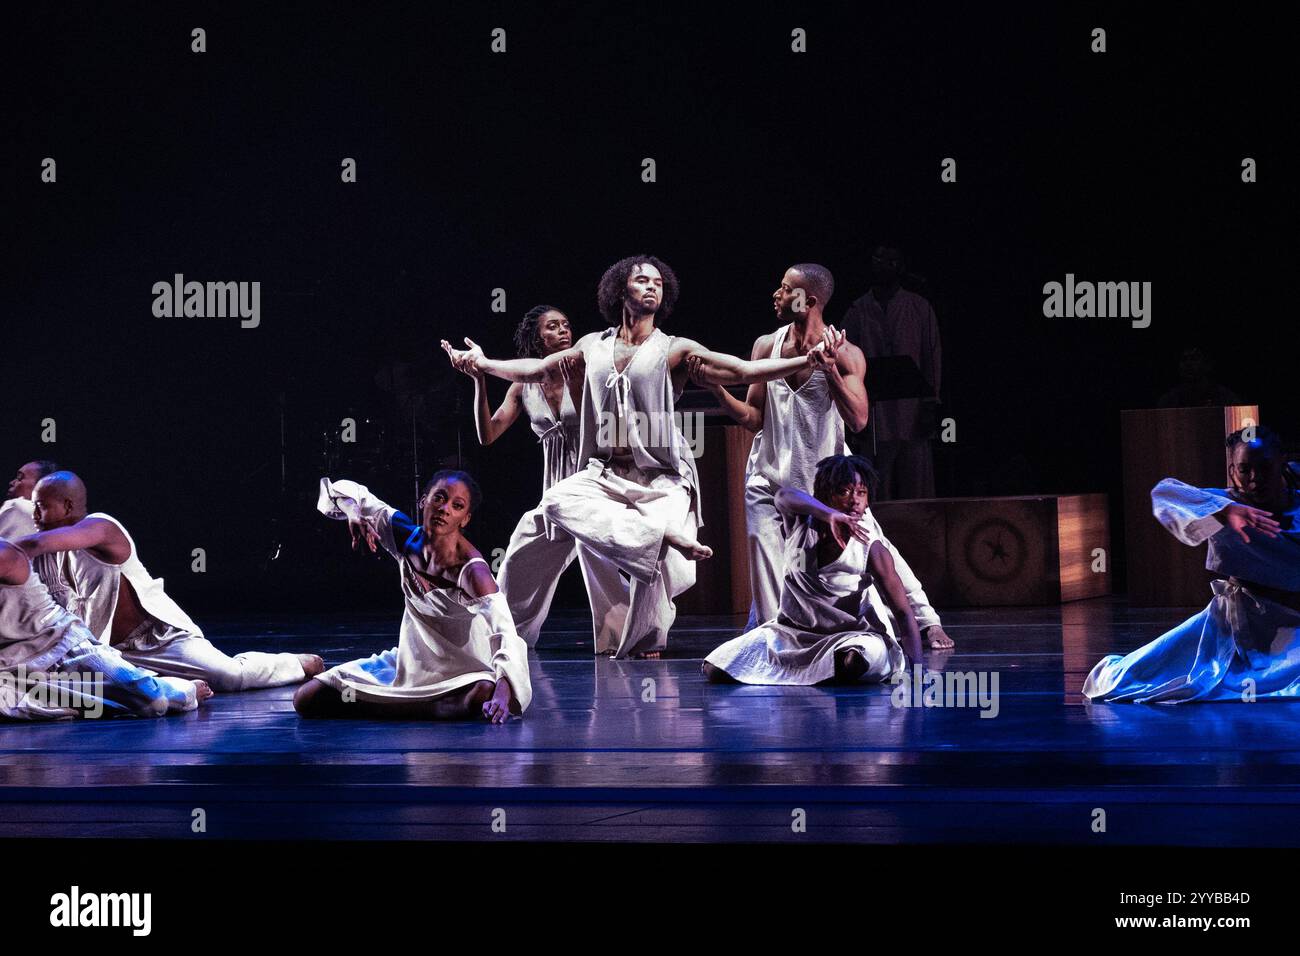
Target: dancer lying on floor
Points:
(53, 668)
(458, 655)
(1243, 646)
(827, 629)
(539, 552)
(90, 565)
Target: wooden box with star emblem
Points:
(1027, 550)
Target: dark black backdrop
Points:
(522, 171)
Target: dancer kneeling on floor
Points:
(458, 655)
(1245, 644)
(826, 629)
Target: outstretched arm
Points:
(725, 369)
(749, 412)
(515, 370)
(1194, 514)
(891, 588)
(101, 538)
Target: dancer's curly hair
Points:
(613, 287)
(837, 471)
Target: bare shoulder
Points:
(480, 581)
(763, 346)
(851, 359)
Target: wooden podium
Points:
(1182, 443)
(722, 583)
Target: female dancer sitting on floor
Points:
(828, 629)
(458, 655)
(1243, 645)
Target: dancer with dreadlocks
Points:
(636, 501)
(539, 552)
(828, 630)
(1244, 645)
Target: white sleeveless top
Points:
(560, 438)
(800, 428)
(641, 397)
(830, 598)
(88, 587)
(34, 631)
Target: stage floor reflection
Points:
(647, 751)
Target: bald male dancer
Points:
(90, 565)
(799, 421)
(53, 668)
(16, 512)
(636, 501)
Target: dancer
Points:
(539, 552)
(90, 565)
(1244, 644)
(53, 668)
(636, 502)
(16, 512)
(827, 630)
(798, 421)
(458, 655)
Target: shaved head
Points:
(60, 499)
(816, 280)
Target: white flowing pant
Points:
(532, 567)
(177, 653)
(621, 514)
(94, 680)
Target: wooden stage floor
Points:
(600, 758)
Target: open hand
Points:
(844, 527)
(361, 531)
(467, 360)
(1240, 517)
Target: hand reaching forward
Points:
(466, 360)
(1240, 517)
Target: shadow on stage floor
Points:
(647, 751)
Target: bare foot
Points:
(937, 639)
(202, 691)
(497, 710)
(687, 545)
(312, 664)
(646, 655)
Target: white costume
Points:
(16, 518)
(824, 610)
(800, 428)
(620, 509)
(448, 640)
(53, 668)
(539, 552)
(167, 641)
(1244, 645)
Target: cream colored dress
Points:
(823, 610)
(448, 640)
